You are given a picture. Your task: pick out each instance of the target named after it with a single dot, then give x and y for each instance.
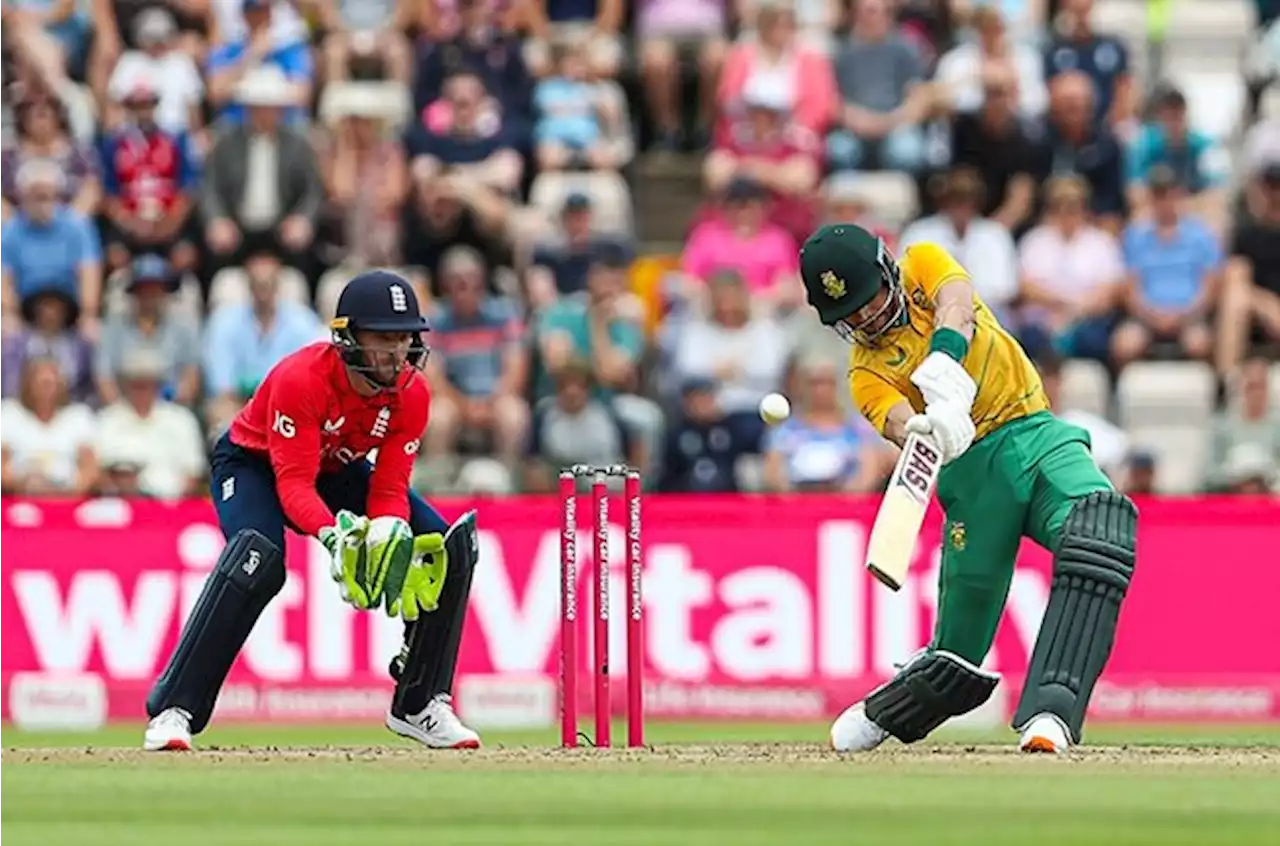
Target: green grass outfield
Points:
(698, 784)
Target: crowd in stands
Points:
(187, 185)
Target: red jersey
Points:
(148, 171)
(308, 419)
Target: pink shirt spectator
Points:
(1070, 267)
(812, 84)
(761, 258)
(675, 18)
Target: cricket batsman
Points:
(929, 357)
(298, 456)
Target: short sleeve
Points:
(934, 267)
(8, 243)
(873, 396)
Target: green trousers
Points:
(1020, 480)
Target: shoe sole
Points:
(176, 744)
(409, 730)
(1041, 745)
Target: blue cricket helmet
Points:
(379, 301)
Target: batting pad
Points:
(1091, 575)
(431, 654)
(248, 574)
(929, 691)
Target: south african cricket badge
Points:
(956, 536)
(832, 284)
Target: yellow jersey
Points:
(880, 376)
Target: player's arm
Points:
(883, 405)
(389, 483)
(954, 310)
(293, 443)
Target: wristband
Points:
(950, 342)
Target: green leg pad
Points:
(930, 690)
(1091, 575)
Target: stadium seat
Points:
(1215, 100)
(1166, 408)
(1210, 19)
(1085, 387)
(611, 200)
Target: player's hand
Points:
(424, 581)
(941, 378)
(949, 425)
(389, 551)
(345, 540)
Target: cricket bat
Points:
(911, 486)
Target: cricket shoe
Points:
(437, 726)
(168, 731)
(854, 731)
(1045, 733)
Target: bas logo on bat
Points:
(921, 469)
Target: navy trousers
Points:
(244, 494)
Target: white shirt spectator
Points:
(1071, 267)
(287, 26)
(166, 444)
(48, 449)
(756, 353)
(986, 250)
(960, 69)
(174, 77)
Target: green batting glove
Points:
(345, 540)
(424, 581)
(388, 553)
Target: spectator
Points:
(37, 54)
(1249, 471)
(969, 68)
(745, 356)
(1251, 294)
(1174, 263)
(1103, 59)
(816, 22)
(235, 20)
(822, 447)
(480, 367)
(243, 341)
(1026, 19)
(1108, 443)
(151, 323)
(367, 32)
(1079, 147)
(930, 26)
(884, 100)
(1072, 276)
(560, 267)
(117, 25)
(768, 147)
(49, 335)
(453, 208)
(1011, 157)
(147, 445)
(594, 23)
(43, 133)
(1261, 150)
(475, 47)
(50, 247)
(150, 181)
(742, 239)
(474, 140)
(47, 445)
(1252, 421)
(576, 118)
(60, 27)
(846, 200)
(983, 246)
(259, 48)
(669, 30)
(262, 188)
(603, 328)
(1193, 156)
(1140, 475)
(161, 64)
(704, 445)
(574, 426)
(775, 52)
(365, 177)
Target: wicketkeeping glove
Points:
(424, 581)
(388, 553)
(345, 540)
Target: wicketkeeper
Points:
(929, 357)
(298, 456)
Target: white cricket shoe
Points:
(854, 731)
(1045, 733)
(168, 731)
(437, 727)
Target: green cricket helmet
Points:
(844, 268)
